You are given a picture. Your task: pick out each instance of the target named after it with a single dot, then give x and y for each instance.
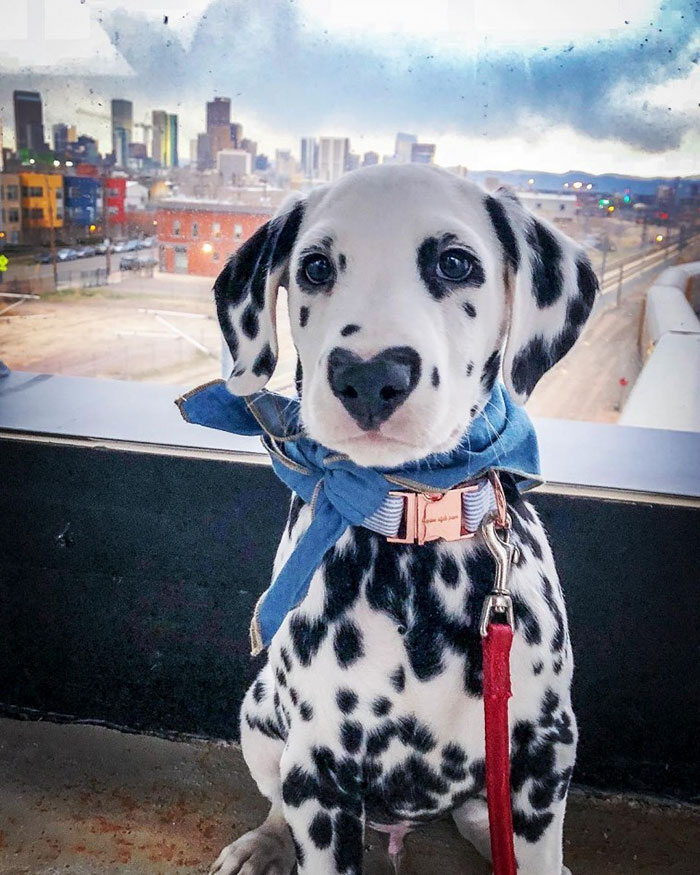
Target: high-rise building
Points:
(236, 135)
(171, 159)
(122, 130)
(233, 165)
(422, 153)
(219, 126)
(60, 138)
(159, 124)
(203, 152)
(332, 157)
(284, 166)
(29, 120)
(251, 147)
(352, 162)
(370, 158)
(402, 149)
(309, 157)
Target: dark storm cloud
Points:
(269, 61)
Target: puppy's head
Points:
(410, 292)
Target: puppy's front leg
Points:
(324, 809)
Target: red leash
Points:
(496, 649)
(496, 641)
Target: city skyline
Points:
(598, 105)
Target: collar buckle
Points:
(433, 516)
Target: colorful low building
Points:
(83, 202)
(197, 237)
(115, 199)
(42, 202)
(10, 209)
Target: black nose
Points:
(371, 390)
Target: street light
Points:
(207, 248)
(56, 162)
(659, 238)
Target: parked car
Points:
(42, 257)
(136, 262)
(119, 246)
(85, 251)
(101, 248)
(66, 255)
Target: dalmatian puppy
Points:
(369, 708)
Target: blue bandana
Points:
(342, 493)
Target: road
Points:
(68, 268)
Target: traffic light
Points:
(626, 198)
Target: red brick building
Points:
(198, 236)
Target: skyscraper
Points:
(159, 123)
(29, 122)
(219, 125)
(60, 138)
(171, 153)
(402, 149)
(122, 130)
(309, 157)
(332, 157)
(423, 153)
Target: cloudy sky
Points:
(600, 85)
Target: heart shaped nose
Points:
(371, 390)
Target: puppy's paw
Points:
(267, 850)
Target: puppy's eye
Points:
(454, 265)
(317, 269)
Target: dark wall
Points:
(127, 581)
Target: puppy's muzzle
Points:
(372, 390)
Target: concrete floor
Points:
(85, 800)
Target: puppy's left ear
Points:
(551, 286)
(246, 298)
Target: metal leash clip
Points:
(497, 538)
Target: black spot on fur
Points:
(537, 667)
(474, 410)
(546, 265)
(250, 324)
(504, 232)
(398, 679)
(449, 571)
(490, 371)
(587, 284)
(281, 677)
(469, 309)
(349, 329)
(342, 262)
(351, 735)
(267, 727)
(348, 643)
(435, 377)
(307, 637)
(303, 316)
(287, 228)
(306, 711)
(298, 786)
(346, 700)
(342, 576)
(559, 638)
(427, 260)
(265, 362)
(454, 753)
(415, 734)
(348, 843)
(294, 696)
(321, 831)
(531, 827)
(381, 706)
(284, 655)
(469, 368)
(299, 377)
(526, 621)
(258, 691)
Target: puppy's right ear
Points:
(246, 299)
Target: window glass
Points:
(588, 114)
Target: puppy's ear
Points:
(246, 299)
(551, 286)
